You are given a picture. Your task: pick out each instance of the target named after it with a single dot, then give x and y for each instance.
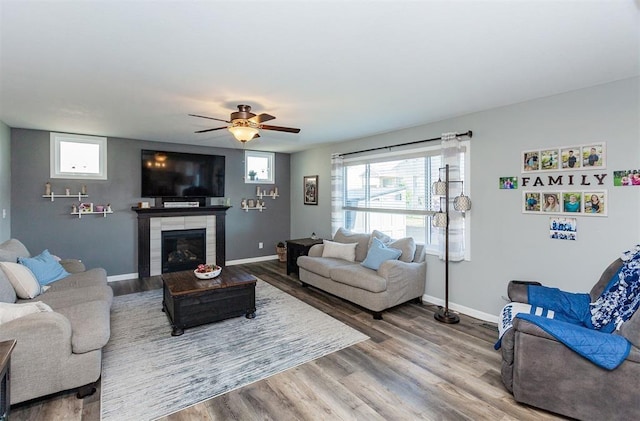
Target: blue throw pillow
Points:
(45, 267)
(379, 253)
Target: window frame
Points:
(430, 248)
(55, 156)
(271, 156)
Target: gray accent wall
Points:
(111, 242)
(5, 182)
(505, 243)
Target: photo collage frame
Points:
(566, 202)
(565, 158)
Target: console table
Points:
(297, 248)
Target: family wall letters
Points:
(559, 180)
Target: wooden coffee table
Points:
(189, 301)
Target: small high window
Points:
(78, 156)
(259, 167)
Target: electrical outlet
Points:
(4, 213)
(260, 245)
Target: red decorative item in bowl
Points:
(207, 271)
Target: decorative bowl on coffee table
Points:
(207, 271)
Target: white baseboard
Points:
(251, 260)
(123, 277)
(462, 309)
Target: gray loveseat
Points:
(542, 372)
(60, 349)
(393, 283)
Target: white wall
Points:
(505, 243)
(5, 181)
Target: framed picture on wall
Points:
(310, 184)
(531, 201)
(595, 203)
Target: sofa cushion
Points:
(361, 240)
(60, 298)
(344, 251)
(408, 247)
(359, 277)
(90, 325)
(379, 253)
(89, 278)
(22, 280)
(9, 311)
(11, 249)
(44, 267)
(321, 265)
(7, 293)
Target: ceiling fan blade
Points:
(210, 130)
(280, 129)
(261, 118)
(210, 118)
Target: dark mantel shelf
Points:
(178, 211)
(144, 228)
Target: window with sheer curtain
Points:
(391, 193)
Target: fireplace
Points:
(183, 249)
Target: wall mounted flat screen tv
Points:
(179, 174)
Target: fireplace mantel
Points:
(144, 230)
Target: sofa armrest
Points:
(73, 265)
(517, 290)
(396, 269)
(41, 340)
(316, 250)
(529, 328)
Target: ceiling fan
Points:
(245, 125)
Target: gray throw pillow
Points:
(408, 247)
(11, 249)
(362, 240)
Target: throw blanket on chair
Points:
(621, 297)
(511, 310)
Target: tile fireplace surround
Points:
(152, 221)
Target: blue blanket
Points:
(603, 349)
(572, 326)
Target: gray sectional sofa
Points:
(60, 349)
(393, 283)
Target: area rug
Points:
(147, 373)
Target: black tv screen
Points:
(179, 174)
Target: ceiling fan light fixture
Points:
(243, 132)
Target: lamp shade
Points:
(439, 188)
(439, 220)
(462, 203)
(243, 133)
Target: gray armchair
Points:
(542, 372)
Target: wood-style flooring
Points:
(412, 368)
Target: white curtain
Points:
(451, 149)
(337, 192)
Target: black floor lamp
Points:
(440, 219)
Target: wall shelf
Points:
(259, 208)
(103, 213)
(53, 196)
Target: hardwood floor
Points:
(412, 368)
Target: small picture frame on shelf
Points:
(85, 207)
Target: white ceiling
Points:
(338, 70)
